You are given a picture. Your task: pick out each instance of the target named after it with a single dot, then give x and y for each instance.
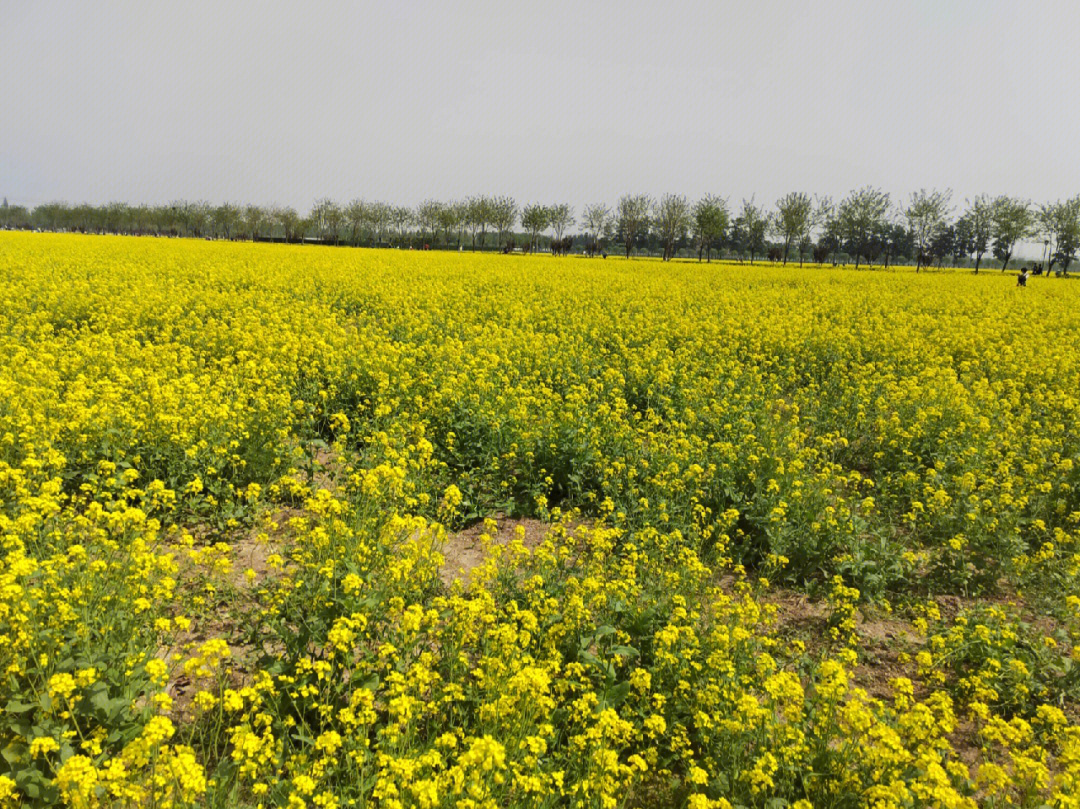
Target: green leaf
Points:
(15, 753)
(597, 634)
(617, 694)
(100, 702)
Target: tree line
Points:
(867, 226)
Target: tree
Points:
(194, 218)
(634, 217)
(597, 220)
(164, 217)
(504, 213)
(963, 243)
(737, 238)
(672, 222)
(862, 218)
(975, 228)
(141, 219)
(288, 219)
(382, 220)
(326, 220)
(753, 224)
(461, 220)
(826, 218)
(356, 216)
(896, 241)
(479, 217)
(17, 217)
(449, 221)
(252, 221)
(927, 217)
(399, 217)
(226, 220)
(116, 212)
(943, 245)
(429, 218)
(1012, 221)
(305, 227)
(1060, 224)
(52, 216)
(560, 217)
(710, 224)
(535, 218)
(334, 219)
(794, 218)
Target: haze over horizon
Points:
(252, 102)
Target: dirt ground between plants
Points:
(464, 550)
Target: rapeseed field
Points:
(799, 537)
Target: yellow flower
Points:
(43, 745)
(61, 686)
(7, 790)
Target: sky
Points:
(284, 103)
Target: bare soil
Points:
(464, 550)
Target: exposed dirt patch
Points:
(464, 551)
(272, 535)
(886, 643)
(239, 567)
(251, 553)
(231, 567)
(798, 615)
(321, 467)
(887, 646)
(965, 742)
(883, 630)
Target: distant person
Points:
(1021, 279)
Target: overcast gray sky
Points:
(272, 102)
